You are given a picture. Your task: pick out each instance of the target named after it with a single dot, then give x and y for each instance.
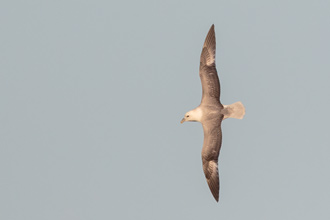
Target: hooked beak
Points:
(183, 120)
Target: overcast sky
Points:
(92, 94)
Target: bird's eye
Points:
(187, 116)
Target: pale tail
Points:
(235, 110)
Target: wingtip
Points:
(216, 197)
(208, 52)
(211, 35)
(212, 27)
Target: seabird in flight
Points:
(211, 113)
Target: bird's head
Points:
(193, 115)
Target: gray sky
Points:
(92, 94)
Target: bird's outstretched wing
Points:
(210, 154)
(208, 71)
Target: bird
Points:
(211, 112)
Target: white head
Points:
(193, 115)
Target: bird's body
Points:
(211, 113)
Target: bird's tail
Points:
(235, 110)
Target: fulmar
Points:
(211, 113)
